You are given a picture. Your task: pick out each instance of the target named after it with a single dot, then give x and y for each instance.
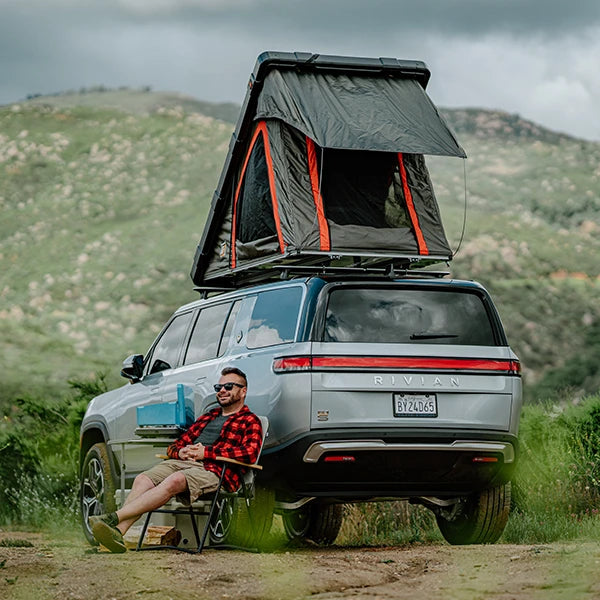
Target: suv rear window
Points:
(407, 316)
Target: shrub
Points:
(556, 487)
(39, 452)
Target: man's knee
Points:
(175, 483)
(143, 482)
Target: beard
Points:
(226, 400)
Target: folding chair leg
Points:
(195, 528)
(211, 512)
(143, 533)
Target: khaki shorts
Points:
(199, 480)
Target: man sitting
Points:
(231, 431)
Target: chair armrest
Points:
(238, 462)
(224, 459)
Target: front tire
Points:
(97, 488)
(319, 523)
(481, 520)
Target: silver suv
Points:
(374, 389)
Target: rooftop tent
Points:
(326, 169)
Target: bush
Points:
(39, 453)
(556, 487)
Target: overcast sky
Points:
(538, 58)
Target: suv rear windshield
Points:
(407, 316)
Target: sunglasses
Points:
(228, 386)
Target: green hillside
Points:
(533, 238)
(101, 214)
(103, 203)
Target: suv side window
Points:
(165, 354)
(274, 317)
(229, 327)
(207, 333)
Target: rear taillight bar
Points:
(290, 364)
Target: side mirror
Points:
(133, 367)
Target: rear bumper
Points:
(379, 463)
(319, 450)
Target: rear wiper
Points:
(432, 336)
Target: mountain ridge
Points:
(478, 121)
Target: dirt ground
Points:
(66, 569)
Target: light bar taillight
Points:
(290, 364)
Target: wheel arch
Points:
(96, 433)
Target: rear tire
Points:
(231, 524)
(319, 523)
(97, 487)
(482, 519)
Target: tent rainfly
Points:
(326, 170)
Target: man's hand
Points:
(193, 452)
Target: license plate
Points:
(415, 405)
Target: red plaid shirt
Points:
(240, 438)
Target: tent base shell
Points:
(303, 263)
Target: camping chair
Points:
(217, 503)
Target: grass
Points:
(542, 528)
(387, 523)
(556, 486)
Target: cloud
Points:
(472, 18)
(559, 89)
(535, 57)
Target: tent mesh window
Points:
(362, 188)
(255, 218)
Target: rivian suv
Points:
(374, 389)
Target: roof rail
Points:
(291, 271)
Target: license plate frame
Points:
(414, 405)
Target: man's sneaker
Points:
(108, 518)
(105, 531)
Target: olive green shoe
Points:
(108, 518)
(106, 533)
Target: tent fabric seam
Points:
(324, 239)
(421, 243)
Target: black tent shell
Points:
(326, 171)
